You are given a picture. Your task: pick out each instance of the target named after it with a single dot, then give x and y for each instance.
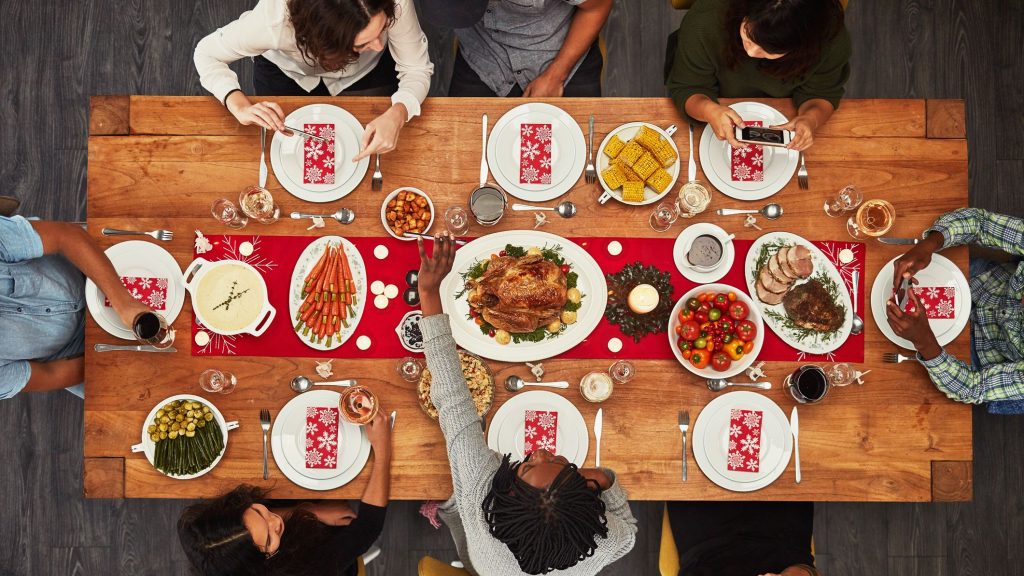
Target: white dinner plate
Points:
(710, 441)
(305, 263)
(505, 434)
(568, 151)
(779, 163)
(679, 254)
(288, 444)
(591, 283)
(286, 154)
(626, 132)
(137, 258)
(941, 272)
(820, 343)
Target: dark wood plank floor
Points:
(61, 52)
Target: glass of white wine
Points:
(874, 218)
(258, 204)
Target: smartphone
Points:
(763, 136)
(903, 294)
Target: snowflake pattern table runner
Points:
(535, 154)
(744, 440)
(321, 437)
(747, 164)
(318, 156)
(150, 291)
(540, 431)
(939, 301)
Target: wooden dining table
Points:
(160, 161)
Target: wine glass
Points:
(225, 212)
(358, 405)
(693, 199)
(215, 381)
(258, 204)
(664, 216)
(842, 374)
(153, 329)
(845, 200)
(456, 220)
(622, 371)
(874, 218)
(409, 369)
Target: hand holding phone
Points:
(763, 136)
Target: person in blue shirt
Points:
(43, 266)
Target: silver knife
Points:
(263, 160)
(890, 240)
(429, 237)
(794, 425)
(394, 413)
(306, 134)
(118, 347)
(597, 434)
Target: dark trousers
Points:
(586, 82)
(269, 80)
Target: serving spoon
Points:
(719, 384)
(514, 384)
(301, 384)
(770, 211)
(565, 209)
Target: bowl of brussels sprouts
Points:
(184, 436)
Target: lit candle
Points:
(643, 299)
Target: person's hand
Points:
(332, 512)
(597, 475)
(723, 122)
(803, 133)
(265, 114)
(544, 86)
(381, 134)
(378, 432)
(913, 326)
(916, 259)
(433, 269)
(128, 309)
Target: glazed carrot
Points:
(316, 271)
(350, 285)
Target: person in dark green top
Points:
(761, 49)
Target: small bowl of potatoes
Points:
(407, 210)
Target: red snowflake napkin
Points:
(744, 440)
(150, 291)
(318, 157)
(541, 431)
(747, 164)
(535, 154)
(939, 301)
(321, 437)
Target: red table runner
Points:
(275, 256)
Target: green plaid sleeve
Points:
(968, 384)
(977, 226)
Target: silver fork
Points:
(590, 174)
(894, 357)
(377, 184)
(162, 235)
(801, 174)
(265, 425)
(684, 425)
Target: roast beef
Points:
(809, 305)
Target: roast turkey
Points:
(519, 294)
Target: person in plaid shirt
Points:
(996, 373)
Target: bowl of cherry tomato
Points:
(715, 331)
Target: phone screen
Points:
(766, 135)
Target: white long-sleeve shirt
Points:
(267, 30)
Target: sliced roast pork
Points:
(769, 289)
(799, 258)
(783, 257)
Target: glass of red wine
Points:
(808, 384)
(152, 329)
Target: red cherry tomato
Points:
(502, 253)
(701, 316)
(689, 330)
(738, 310)
(565, 268)
(721, 302)
(745, 330)
(720, 361)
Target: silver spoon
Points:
(301, 384)
(858, 323)
(565, 209)
(770, 211)
(343, 215)
(515, 384)
(719, 384)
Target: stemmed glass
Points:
(874, 218)
(845, 200)
(664, 215)
(225, 212)
(215, 381)
(409, 369)
(456, 220)
(622, 371)
(258, 204)
(842, 374)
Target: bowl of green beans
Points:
(184, 436)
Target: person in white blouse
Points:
(322, 48)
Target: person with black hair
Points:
(539, 516)
(796, 49)
(245, 533)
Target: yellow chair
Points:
(361, 567)
(434, 567)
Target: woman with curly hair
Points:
(322, 48)
(243, 533)
(538, 516)
(797, 49)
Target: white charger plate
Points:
(288, 444)
(137, 258)
(780, 163)
(286, 154)
(821, 264)
(467, 334)
(679, 253)
(305, 263)
(941, 272)
(710, 441)
(626, 132)
(505, 434)
(568, 151)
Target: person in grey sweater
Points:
(542, 515)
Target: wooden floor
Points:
(61, 52)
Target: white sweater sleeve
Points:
(408, 46)
(254, 33)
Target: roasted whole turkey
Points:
(519, 294)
